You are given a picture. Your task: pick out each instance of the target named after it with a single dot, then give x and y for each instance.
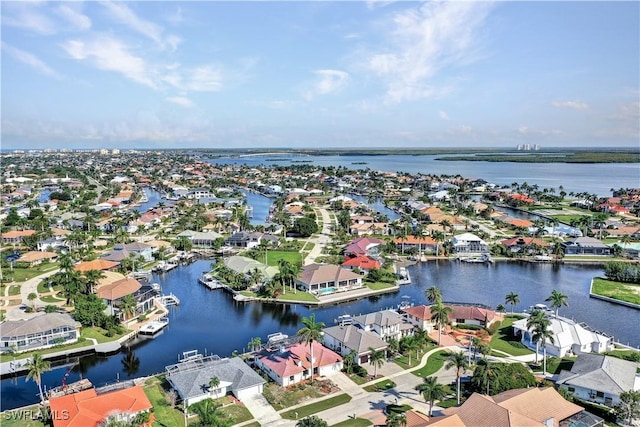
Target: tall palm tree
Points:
(376, 358)
(397, 420)
(458, 360)
(557, 300)
(433, 294)
(35, 368)
(92, 278)
(128, 306)
(431, 390)
(440, 316)
(214, 383)
(310, 332)
(536, 317)
(542, 333)
(512, 298)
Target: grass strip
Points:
(357, 422)
(627, 292)
(305, 411)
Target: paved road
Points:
(321, 240)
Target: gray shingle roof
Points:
(599, 372)
(38, 324)
(355, 338)
(382, 318)
(193, 380)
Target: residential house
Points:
(523, 245)
(469, 244)
(96, 264)
(190, 379)
(417, 244)
(15, 237)
(362, 263)
(586, 246)
(201, 239)
(34, 258)
(123, 251)
(369, 228)
(366, 246)
(386, 323)
(420, 316)
(322, 279)
(38, 332)
(88, 408)
(245, 265)
(291, 365)
(600, 379)
(244, 240)
(113, 293)
(569, 338)
(543, 407)
(349, 338)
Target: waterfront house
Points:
(88, 408)
(469, 244)
(362, 263)
(123, 251)
(245, 240)
(291, 365)
(113, 293)
(569, 337)
(420, 316)
(600, 379)
(190, 378)
(349, 338)
(200, 239)
(524, 245)
(96, 264)
(416, 244)
(39, 332)
(386, 323)
(543, 407)
(321, 279)
(365, 246)
(586, 246)
(246, 266)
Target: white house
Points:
(469, 244)
(600, 379)
(347, 338)
(38, 332)
(323, 279)
(386, 323)
(190, 379)
(569, 338)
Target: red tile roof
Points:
(295, 359)
(362, 262)
(88, 409)
(116, 290)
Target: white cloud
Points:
(206, 78)
(443, 115)
(423, 41)
(110, 54)
(75, 18)
(31, 60)
(181, 101)
(153, 31)
(575, 105)
(27, 15)
(327, 81)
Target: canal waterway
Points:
(212, 322)
(577, 177)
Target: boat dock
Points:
(167, 300)
(210, 282)
(164, 266)
(154, 326)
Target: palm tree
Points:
(214, 383)
(440, 316)
(312, 421)
(431, 390)
(92, 278)
(310, 332)
(512, 299)
(457, 360)
(433, 294)
(542, 333)
(376, 358)
(397, 420)
(483, 375)
(557, 299)
(35, 368)
(536, 317)
(128, 306)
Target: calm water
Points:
(211, 322)
(260, 205)
(154, 197)
(592, 178)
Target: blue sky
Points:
(320, 74)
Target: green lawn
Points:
(294, 257)
(305, 411)
(627, 292)
(100, 334)
(298, 296)
(281, 398)
(380, 386)
(21, 418)
(556, 364)
(165, 415)
(376, 286)
(51, 299)
(14, 290)
(358, 422)
(43, 288)
(22, 274)
(237, 413)
(434, 363)
(505, 341)
(403, 361)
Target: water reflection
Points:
(130, 362)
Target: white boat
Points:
(345, 319)
(481, 259)
(209, 281)
(539, 307)
(154, 326)
(543, 258)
